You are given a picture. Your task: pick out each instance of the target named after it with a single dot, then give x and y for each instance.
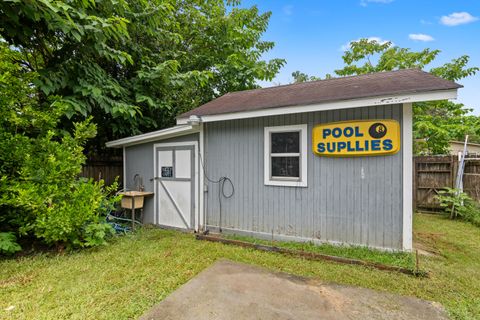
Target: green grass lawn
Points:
(127, 277)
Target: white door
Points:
(175, 187)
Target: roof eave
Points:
(167, 133)
(332, 105)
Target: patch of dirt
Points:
(427, 243)
(16, 280)
(437, 244)
(333, 297)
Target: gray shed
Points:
(321, 161)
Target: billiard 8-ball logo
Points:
(377, 130)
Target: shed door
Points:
(175, 187)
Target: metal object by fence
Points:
(434, 173)
(461, 167)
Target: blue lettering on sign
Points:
(326, 133)
(387, 145)
(357, 146)
(336, 132)
(331, 147)
(357, 132)
(348, 132)
(321, 147)
(349, 146)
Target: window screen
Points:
(285, 142)
(285, 154)
(286, 167)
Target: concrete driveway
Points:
(229, 290)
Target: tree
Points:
(40, 194)
(299, 77)
(435, 123)
(134, 65)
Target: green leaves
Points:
(459, 205)
(137, 64)
(44, 197)
(40, 194)
(96, 234)
(8, 243)
(367, 56)
(438, 122)
(455, 70)
(363, 49)
(299, 77)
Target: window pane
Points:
(286, 167)
(285, 142)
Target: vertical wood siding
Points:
(355, 200)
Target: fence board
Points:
(106, 169)
(434, 173)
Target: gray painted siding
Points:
(338, 205)
(139, 159)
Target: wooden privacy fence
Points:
(104, 168)
(434, 173)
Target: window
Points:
(286, 156)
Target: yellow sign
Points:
(356, 138)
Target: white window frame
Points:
(285, 181)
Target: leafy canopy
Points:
(133, 65)
(435, 123)
(367, 56)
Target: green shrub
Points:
(459, 205)
(96, 234)
(73, 216)
(41, 195)
(45, 198)
(8, 243)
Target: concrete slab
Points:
(229, 290)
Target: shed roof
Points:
(330, 90)
(153, 136)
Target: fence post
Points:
(453, 171)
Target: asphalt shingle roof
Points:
(322, 91)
